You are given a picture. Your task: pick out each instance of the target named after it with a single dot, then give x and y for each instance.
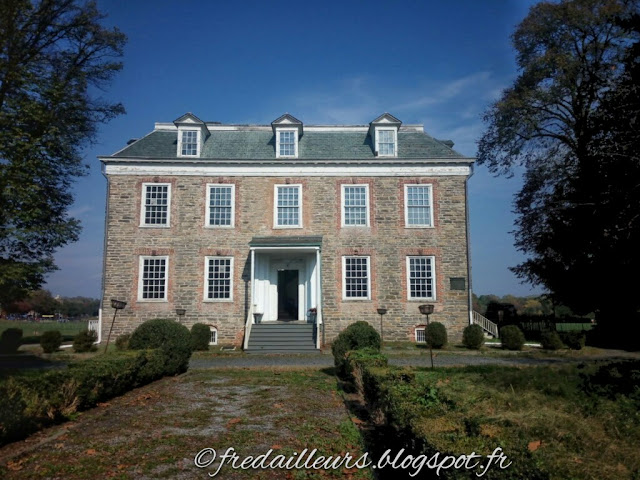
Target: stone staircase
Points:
(282, 337)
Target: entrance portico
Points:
(285, 278)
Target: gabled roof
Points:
(288, 121)
(189, 119)
(387, 120)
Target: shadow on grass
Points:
(26, 361)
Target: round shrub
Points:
(356, 336)
(550, 340)
(436, 335)
(10, 340)
(172, 338)
(473, 336)
(200, 335)
(84, 341)
(122, 342)
(573, 340)
(50, 341)
(511, 337)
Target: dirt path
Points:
(156, 431)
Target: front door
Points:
(288, 294)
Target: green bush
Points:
(550, 340)
(511, 337)
(356, 336)
(10, 340)
(473, 336)
(172, 338)
(122, 342)
(38, 398)
(84, 341)
(50, 341)
(436, 335)
(573, 340)
(200, 335)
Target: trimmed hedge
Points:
(84, 341)
(200, 335)
(171, 337)
(511, 337)
(356, 336)
(573, 340)
(34, 400)
(50, 341)
(399, 403)
(122, 342)
(550, 340)
(436, 335)
(10, 340)
(473, 337)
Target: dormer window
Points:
(287, 130)
(189, 143)
(384, 135)
(287, 143)
(386, 145)
(192, 133)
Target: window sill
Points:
(419, 226)
(218, 300)
(215, 227)
(352, 299)
(155, 226)
(286, 227)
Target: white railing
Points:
(318, 330)
(93, 325)
(247, 327)
(486, 324)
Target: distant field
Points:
(35, 329)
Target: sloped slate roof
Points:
(260, 145)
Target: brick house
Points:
(279, 236)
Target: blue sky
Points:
(432, 62)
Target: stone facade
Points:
(186, 242)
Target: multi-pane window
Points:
(189, 143)
(421, 335)
(213, 339)
(418, 201)
(155, 204)
(420, 278)
(386, 142)
(288, 206)
(355, 205)
(220, 205)
(219, 278)
(287, 143)
(153, 278)
(356, 278)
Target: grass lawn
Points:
(574, 422)
(156, 431)
(35, 329)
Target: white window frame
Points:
(406, 205)
(141, 275)
(394, 131)
(343, 204)
(424, 334)
(233, 205)
(143, 206)
(198, 141)
(344, 278)
(213, 331)
(295, 142)
(433, 277)
(206, 278)
(275, 205)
